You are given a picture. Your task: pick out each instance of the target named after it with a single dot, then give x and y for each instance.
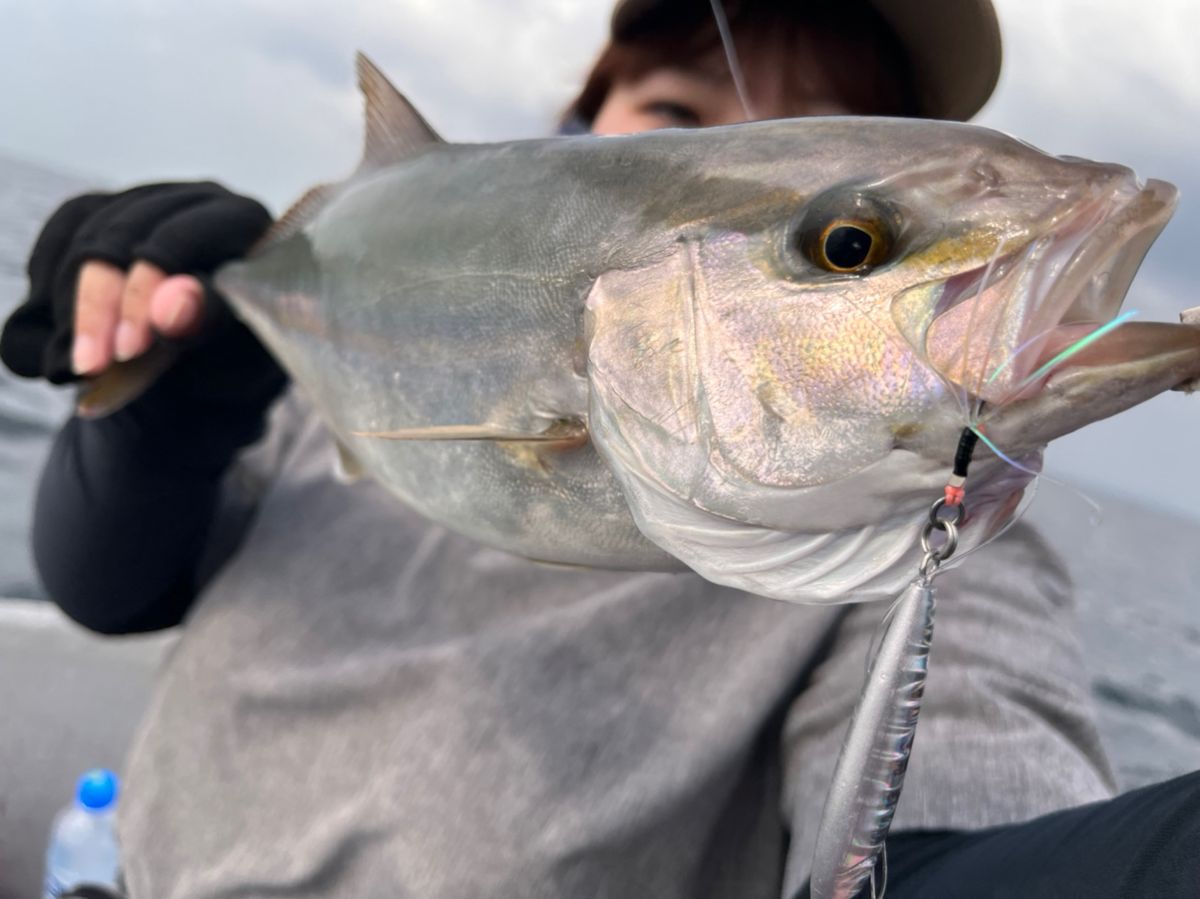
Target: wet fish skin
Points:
(774, 425)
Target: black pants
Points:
(1145, 843)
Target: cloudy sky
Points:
(260, 94)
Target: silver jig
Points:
(870, 769)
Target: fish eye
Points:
(847, 246)
(847, 234)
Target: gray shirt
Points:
(364, 704)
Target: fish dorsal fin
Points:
(395, 130)
(298, 215)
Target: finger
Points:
(97, 310)
(177, 306)
(133, 335)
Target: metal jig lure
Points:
(874, 758)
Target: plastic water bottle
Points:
(83, 840)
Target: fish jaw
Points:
(1123, 369)
(1045, 378)
(988, 331)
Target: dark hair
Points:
(864, 60)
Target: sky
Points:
(260, 95)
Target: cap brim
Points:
(954, 50)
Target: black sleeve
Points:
(126, 503)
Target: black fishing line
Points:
(967, 442)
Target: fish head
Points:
(781, 391)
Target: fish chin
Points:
(799, 566)
(810, 562)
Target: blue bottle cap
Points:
(97, 789)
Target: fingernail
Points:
(128, 342)
(178, 304)
(85, 354)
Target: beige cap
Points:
(952, 45)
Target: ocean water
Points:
(29, 411)
(1137, 571)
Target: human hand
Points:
(107, 275)
(118, 313)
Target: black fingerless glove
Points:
(181, 228)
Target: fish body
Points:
(667, 358)
(443, 292)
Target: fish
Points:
(749, 350)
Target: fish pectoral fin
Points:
(395, 130)
(562, 434)
(562, 566)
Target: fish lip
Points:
(1117, 371)
(1102, 381)
(1099, 272)
(1096, 277)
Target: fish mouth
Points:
(1076, 360)
(1003, 332)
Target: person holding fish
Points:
(365, 703)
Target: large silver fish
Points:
(752, 348)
